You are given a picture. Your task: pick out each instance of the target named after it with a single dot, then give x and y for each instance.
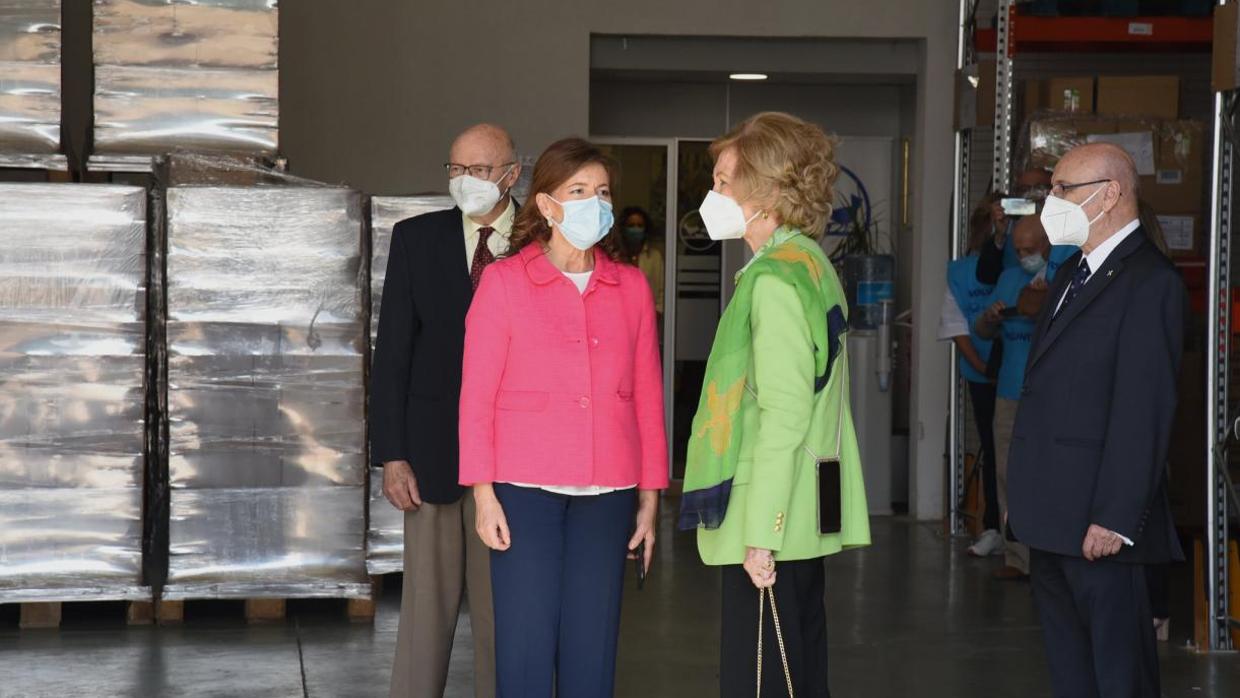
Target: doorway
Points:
(667, 178)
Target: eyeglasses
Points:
(480, 171)
(1060, 189)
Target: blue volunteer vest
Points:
(971, 296)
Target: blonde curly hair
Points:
(779, 155)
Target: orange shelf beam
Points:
(1092, 34)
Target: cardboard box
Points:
(1178, 185)
(1225, 72)
(1154, 96)
(1187, 453)
(1072, 94)
(1182, 234)
(1051, 137)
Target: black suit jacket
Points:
(1090, 441)
(416, 376)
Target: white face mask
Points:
(586, 221)
(723, 217)
(1033, 263)
(475, 196)
(1067, 223)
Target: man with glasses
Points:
(435, 264)
(1087, 485)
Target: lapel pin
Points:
(1110, 273)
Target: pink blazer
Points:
(562, 388)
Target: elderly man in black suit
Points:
(1087, 481)
(435, 263)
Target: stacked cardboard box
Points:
(1140, 115)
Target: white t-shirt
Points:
(951, 321)
(581, 279)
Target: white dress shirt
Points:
(497, 243)
(951, 321)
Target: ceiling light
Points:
(748, 76)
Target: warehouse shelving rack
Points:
(1085, 35)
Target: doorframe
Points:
(670, 146)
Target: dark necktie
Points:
(1078, 282)
(482, 256)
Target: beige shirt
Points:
(497, 243)
(650, 261)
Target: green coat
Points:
(774, 500)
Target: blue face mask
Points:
(586, 221)
(1033, 263)
(635, 234)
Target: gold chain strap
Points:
(779, 636)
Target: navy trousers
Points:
(1097, 626)
(557, 592)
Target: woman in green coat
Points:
(773, 481)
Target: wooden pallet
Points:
(18, 174)
(259, 611)
(35, 615)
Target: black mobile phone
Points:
(830, 509)
(641, 564)
(1009, 312)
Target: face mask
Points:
(635, 234)
(1033, 263)
(475, 196)
(723, 217)
(1067, 223)
(586, 221)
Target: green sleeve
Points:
(784, 380)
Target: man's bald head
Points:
(1102, 178)
(483, 144)
(1029, 237)
(485, 152)
(1033, 178)
(1104, 161)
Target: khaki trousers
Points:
(444, 559)
(1014, 554)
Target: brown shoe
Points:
(1007, 573)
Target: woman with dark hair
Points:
(642, 251)
(561, 430)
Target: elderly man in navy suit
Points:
(1087, 480)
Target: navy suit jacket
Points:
(1092, 430)
(416, 369)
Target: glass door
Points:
(668, 178)
(647, 183)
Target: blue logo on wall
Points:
(852, 204)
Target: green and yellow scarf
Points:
(714, 444)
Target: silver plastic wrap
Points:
(72, 391)
(386, 534)
(265, 365)
(201, 76)
(30, 83)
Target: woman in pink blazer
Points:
(561, 430)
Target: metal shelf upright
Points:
(1086, 35)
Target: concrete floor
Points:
(910, 616)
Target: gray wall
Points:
(373, 91)
(704, 110)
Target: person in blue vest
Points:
(963, 303)
(1011, 308)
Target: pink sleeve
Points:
(486, 353)
(648, 392)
